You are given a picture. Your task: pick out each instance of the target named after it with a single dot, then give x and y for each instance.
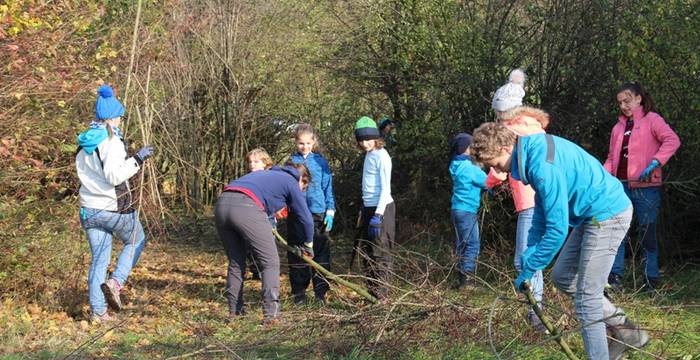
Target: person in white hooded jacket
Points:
(106, 209)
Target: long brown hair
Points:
(636, 88)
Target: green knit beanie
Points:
(366, 129)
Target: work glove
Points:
(646, 174)
(522, 279)
(144, 153)
(375, 226)
(306, 250)
(328, 221)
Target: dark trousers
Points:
(241, 224)
(378, 261)
(301, 273)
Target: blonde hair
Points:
(488, 140)
(261, 154)
(540, 115)
(304, 129)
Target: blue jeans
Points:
(467, 241)
(581, 271)
(646, 203)
(99, 226)
(524, 225)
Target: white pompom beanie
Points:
(511, 94)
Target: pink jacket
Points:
(523, 195)
(651, 138)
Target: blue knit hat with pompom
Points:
(107, 106)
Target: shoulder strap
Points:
(550, 156)
(97, 151)
(550, 148)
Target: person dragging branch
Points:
(572, 189)
(242, 216)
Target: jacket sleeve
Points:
(117, 168)
(296, 202)
(480, 178)
(550, 222)
(384, 182)
(494, 178)
(667, 137)
(611, 151)
(327, 184)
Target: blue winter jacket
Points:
(319, 194)
(571, 188)
(467, 182)
(277, 188)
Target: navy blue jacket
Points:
(277, 188)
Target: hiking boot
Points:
(625, 337)
(111, 290)
(465, 282)
(535, 321)
(300, 299)
(651, 285)
(101, 319)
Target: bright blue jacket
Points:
(275, 189)
(319, 193)
(467, 182)
(571, 188)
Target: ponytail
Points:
(636, 88)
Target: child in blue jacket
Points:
(572, 189)
(321, 202)
(468, 180)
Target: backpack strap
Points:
(97, 151)
(550, 148)
(550, 156)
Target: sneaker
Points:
(535, 321)
(101, 319)
(111, 290)
(614, 283)
(625, 337)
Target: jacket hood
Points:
(89, 139)
(291, 170)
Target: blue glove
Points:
(646, 174)
(144, 153)
(375, 226)
(520, 281)
(328, 220)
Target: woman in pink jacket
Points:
(641, 142)
(523, 121)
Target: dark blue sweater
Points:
(277, 188)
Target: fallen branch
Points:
(360, 290)
(556, 334)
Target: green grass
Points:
(175, 306)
